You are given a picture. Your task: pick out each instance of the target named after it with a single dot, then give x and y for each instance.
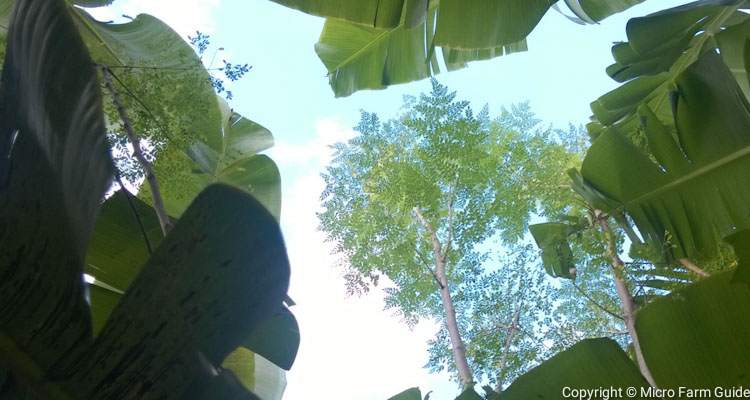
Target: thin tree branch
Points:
(161, 212)
(436, 246)
(597, 304)
(506, 348)
(451, 200)
(129, 197)
(132, 95)
(693, 267)
(427, 265)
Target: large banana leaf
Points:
(374, 13)
(229, 155)
(408, 394)
(219, 290)
(374, 44)
(589, 364)
(53, 173)
(117, 253)
(481, 24)
(596, 10)
(459, 58)
(708, 319)
(361, 57)
(689, 191)
(161, 75)
(160, 69)
(660, 47)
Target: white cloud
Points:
(328, 131)
(198, 15)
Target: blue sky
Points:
(351, 348)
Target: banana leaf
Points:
(688, 192)
(374, 44)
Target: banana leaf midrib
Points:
(701, 171)
(85, 21)
(383, 36)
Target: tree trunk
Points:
(626, 300)
(457, 344)
(451, 323)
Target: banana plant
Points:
(373, 44)
(55, 169)
(682, 182)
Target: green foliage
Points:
(477, 182)
(438, 156)
(52, 181)
(680, 126)
(552, 239)
(229, 155)
(374, 44)
(500, 313)
(709, 318)
(590, 364)
(702, 163)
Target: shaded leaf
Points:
(697, 337)
(146, 50)
(469, 394)
(277, 339)
(54, 170)
(589, 364)
(218, 291)
(552, 239)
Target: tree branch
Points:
(693, 267)
(451, 199)
(626, 299)
(436, 246)
(161, 213)
(506, 348)
(597, 304)
(129, 198)
(426, 265)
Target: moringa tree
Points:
(414, 199)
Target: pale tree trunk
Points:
(451, 323)
(626, 299)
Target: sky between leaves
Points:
(351, 348)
